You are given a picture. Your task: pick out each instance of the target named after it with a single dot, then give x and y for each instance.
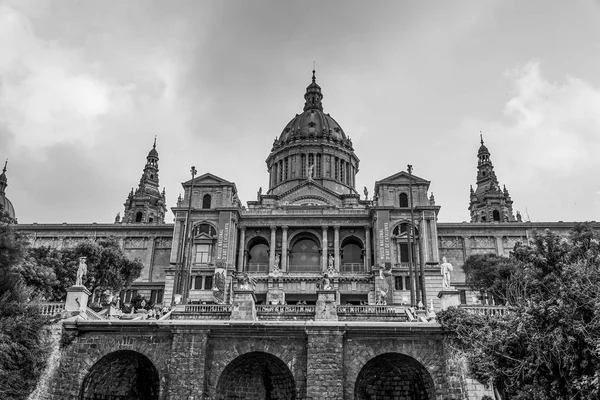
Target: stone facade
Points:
(327, 279)
(296, 360)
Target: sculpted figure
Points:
(324, 283)
(310, 172)
(259, 193)
(366, 193)
(445, 270)
(81, 271)
(330, 261)
(247, 283)
(275, 267)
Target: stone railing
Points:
(484, 310)
(92, 315)
(285, 312)
(371, 312)
(352, 268)
(202, 311)
(51, 309)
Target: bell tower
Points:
(489, 203)
(147, 205)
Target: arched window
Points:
(352, 255)
(403, 228)
(139, 216)
(206, 201)
(305, 255)
(403, 200)
(258, 255)
(496, 215)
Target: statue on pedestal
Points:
(445, 270)
(310, 172)
(324, 283)
(81, 271)
(247, 282)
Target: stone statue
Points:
(247, 282)
(445, 270)
(310, 172)
(366, 192)
(118, 218)
(324, 283)
(330, 262)
(275, 267)
(381, 297)
(259, 193)
(81, 271)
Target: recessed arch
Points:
(139, 216)
(305, 253)
(352, 251)
(496, 215)
(394, 375)
(123, 374)
(402, 228)
(258, 254)
(256, 375)
(403, 198)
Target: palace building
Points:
(303, 293)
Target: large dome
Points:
(312, 123)
(314, 147)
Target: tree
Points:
(548, 345)
(107, 265)
(22, 352)
(491, 273)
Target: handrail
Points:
(370, 309)
(206, 308)
(484, 309)
(52, 308)
(92, 315)
(285, 309)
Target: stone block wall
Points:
(325, 364)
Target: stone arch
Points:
(256, 375)
(305, 252)
(206, 201)
(197, 224)
(122, 374)
(352, 250)
(258, 254)
(496, 215)
(394, 375)
(403, 200)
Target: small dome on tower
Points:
(482, 148)
(153, 153)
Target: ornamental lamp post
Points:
(183, 272)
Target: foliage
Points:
(491, 273)
(548, 345)
(107, 265)
(22, 353)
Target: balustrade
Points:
(485, 310)
(52, 308)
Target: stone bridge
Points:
(173, 359)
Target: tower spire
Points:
(313, 95)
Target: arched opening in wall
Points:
(124, 374)
(305, 255)
(394, 376)
(139, 216)
(258, 255)
(256, 375)
(352, 255)
(496, 215)
(206, 201)
(402, 229)
(403, 200)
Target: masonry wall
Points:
(198, 360)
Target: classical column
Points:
(324, 247)
(336, 246)
(272, 247)
(242, 246)
(367, 248)
(284, 252)
(434, 239)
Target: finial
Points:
(314, 78)
(5, 163)
(154, 146)
(481, 137)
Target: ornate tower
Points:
(312, 146)
(488, 202)
(5, 204)
(147, 204)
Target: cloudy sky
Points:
(86, 85)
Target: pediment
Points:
(208, 179)
(310, 194)
(402, 178)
